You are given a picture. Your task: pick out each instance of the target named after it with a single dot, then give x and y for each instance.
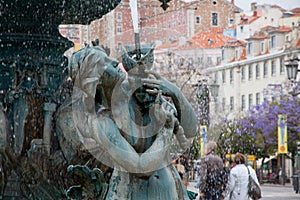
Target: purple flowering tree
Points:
(261, 124)
(229, 141)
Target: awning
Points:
(258, 162)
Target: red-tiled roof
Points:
(257, 37)
(167, 45)
(210, 39)
(295, 10)
(280, 8)
(298, 43)
(281, 29)
(265, 28)
(216, 29)
(190, 44)
(205, 40)
(294, 15)
(249, 19)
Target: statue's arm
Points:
(109, 137)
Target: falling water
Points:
(134, 15)
(135, 21)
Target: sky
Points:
(286, 4)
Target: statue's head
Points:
(91, 66)
(95, 56)
(129, 57)
(136, 70)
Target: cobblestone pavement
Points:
(269, 191)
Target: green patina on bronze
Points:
(120, 131)
(39, 137)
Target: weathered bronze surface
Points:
(32, 71)
(129, 128)
(66, 137)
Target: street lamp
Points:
(292, 68)
(214, 89)
(292, 71)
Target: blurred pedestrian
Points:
(237, 186)
(198, 175)
(179, 167)
(185, 176)
(213, 174)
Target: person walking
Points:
(237, 186)
(213, 174)
(198, 175)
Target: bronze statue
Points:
(126, 123)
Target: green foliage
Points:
(230, 142)
(195, 149)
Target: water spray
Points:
(135, 21)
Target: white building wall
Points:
(245, 87)
(270, 17)
(291, 21)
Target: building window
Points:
(200, 60)
(281, 68)
(262, 47)
(190, 63)
(119, 16)
(223, 54)
(198, 20)
(224, 76)
(231, 103)
(265, 69)
(242, 29)
(257, 71)
(219, 60)
(257, 97)
(249, 48)
(243, 74)
(209, 60)
(216, 77)
(181, 62)
(214, 19)
(250, 101)
(273, 42)
(273, 68)
(243, 103)
(231, 76)
(231, 21)
(119, 29)
(250, 72)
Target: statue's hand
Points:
(186, 114)
(164, 112)
(170, 118)
(156, 83)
